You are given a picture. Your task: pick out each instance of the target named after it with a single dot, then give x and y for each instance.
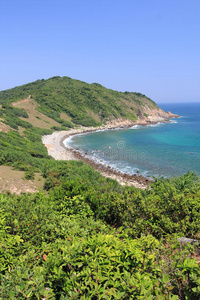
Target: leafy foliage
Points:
(55, 247)
(16, 150)
(11, 116)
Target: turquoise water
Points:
(156, 150)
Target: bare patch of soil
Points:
(94, 116)
(65, 117)
(36, 118)
(12, 181)
(4, 127)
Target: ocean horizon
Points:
(163, 149)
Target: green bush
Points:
(56, 249)
(29, 175)
(66, 124)
(84, 121)
(20, 165)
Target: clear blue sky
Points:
(146, 46)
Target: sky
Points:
(146, 46)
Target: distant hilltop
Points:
(62, 102)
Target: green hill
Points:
(29, 111)
(84, 104)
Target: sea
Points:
(160, 150)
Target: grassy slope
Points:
(85, 104)
(38, 108)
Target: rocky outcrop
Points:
(185, 241)
(150, 116)
(155, 115)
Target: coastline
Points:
(56, 148)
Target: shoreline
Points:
(56, 148)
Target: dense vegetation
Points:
(84, 236)
(85, 104)
(90, 238)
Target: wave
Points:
(67, 141)
(155, 125)
(146, 125)
(136, 127)
(98, 158)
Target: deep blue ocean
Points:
(157, 150)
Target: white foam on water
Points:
(156, 125)
(68, 141)
(100, 130)
(135, 127)
(146, 125)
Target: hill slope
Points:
(72, 102)
(86, 236)
(32, 110)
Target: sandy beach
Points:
(56, 149)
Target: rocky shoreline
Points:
(56, 148)
(136, 180)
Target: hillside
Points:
(60, 103)
(72, 102)
(66, 231)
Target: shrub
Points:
(29, 175)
